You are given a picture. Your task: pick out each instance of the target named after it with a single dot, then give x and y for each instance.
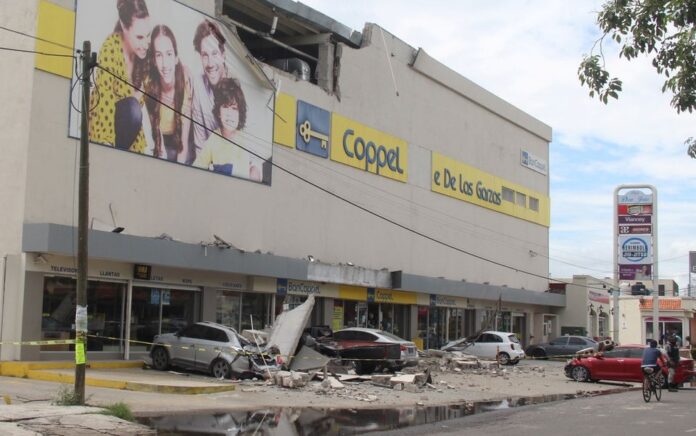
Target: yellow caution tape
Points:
(220, 349)
(47, 342)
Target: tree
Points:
(664, 30)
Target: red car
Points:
(621, 364)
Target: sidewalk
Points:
(45, 419)
(126, 375)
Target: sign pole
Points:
(641, 199)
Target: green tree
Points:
(663, 30)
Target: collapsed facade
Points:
(402, 195)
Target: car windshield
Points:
(391, 336)
(513, 338)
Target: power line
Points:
(37, 38)
(37, 52)
(329, 192)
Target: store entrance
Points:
(160, 310)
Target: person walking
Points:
(673, 362)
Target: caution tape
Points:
(231, 350)
(46, 342)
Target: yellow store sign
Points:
(463, 182)
(368, 149)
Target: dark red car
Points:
(621, 364)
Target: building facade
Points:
(363, 171)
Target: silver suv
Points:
(212, 348)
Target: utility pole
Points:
(88, 61)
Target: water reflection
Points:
(312, 421)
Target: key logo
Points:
(313, 129)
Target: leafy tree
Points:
(664, 30)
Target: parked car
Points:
(620, 364)
(370, 348)
(212, 348)
(561, 346)
(490, 344)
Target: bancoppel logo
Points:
(532, 162)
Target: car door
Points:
(183, 350)
(576, 344)
(610, 366)
(209, 346)
(557, 346)
(486, 345)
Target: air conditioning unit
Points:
(294, 66)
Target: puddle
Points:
(315, 421)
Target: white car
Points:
(490, 344)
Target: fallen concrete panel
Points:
(308, 359)
(288, 327)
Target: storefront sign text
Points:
(368, 149)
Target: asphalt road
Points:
(614, 414)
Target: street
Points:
(624, 413)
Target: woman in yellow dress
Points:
(116, 119)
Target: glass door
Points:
(160, 310)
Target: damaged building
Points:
(365, 172)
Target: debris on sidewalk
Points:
(291, 379)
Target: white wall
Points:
(16, 70)
(149, 197)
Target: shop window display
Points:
(157, 310)
(105, 312)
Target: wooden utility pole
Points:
(82, 223)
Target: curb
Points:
(41, 371)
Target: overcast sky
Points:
(527, 52)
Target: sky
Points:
(527, 52)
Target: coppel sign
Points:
(368, 149)
(634, 249)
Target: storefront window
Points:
(105, 311)
(437, 327)
(338, 315)
(229, 308)
(157, 310)
(422, 329)
(256, 306)
(505, 322)
(402, 317)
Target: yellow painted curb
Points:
(41, 371)
(21, 368)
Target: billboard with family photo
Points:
(173, 84)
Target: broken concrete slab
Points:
(382, 380)
(291, 379)
(308, 359)
(332, 383)
(288, 328)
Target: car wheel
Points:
(504, 358)
(539, 354)
(160, 359)
(514, 362)
(580, 374)
(220, 369)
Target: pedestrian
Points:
(672, 362)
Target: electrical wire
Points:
(43, 53)
(301, 178)
(333, 194)
(37, 38)
(262, 141)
